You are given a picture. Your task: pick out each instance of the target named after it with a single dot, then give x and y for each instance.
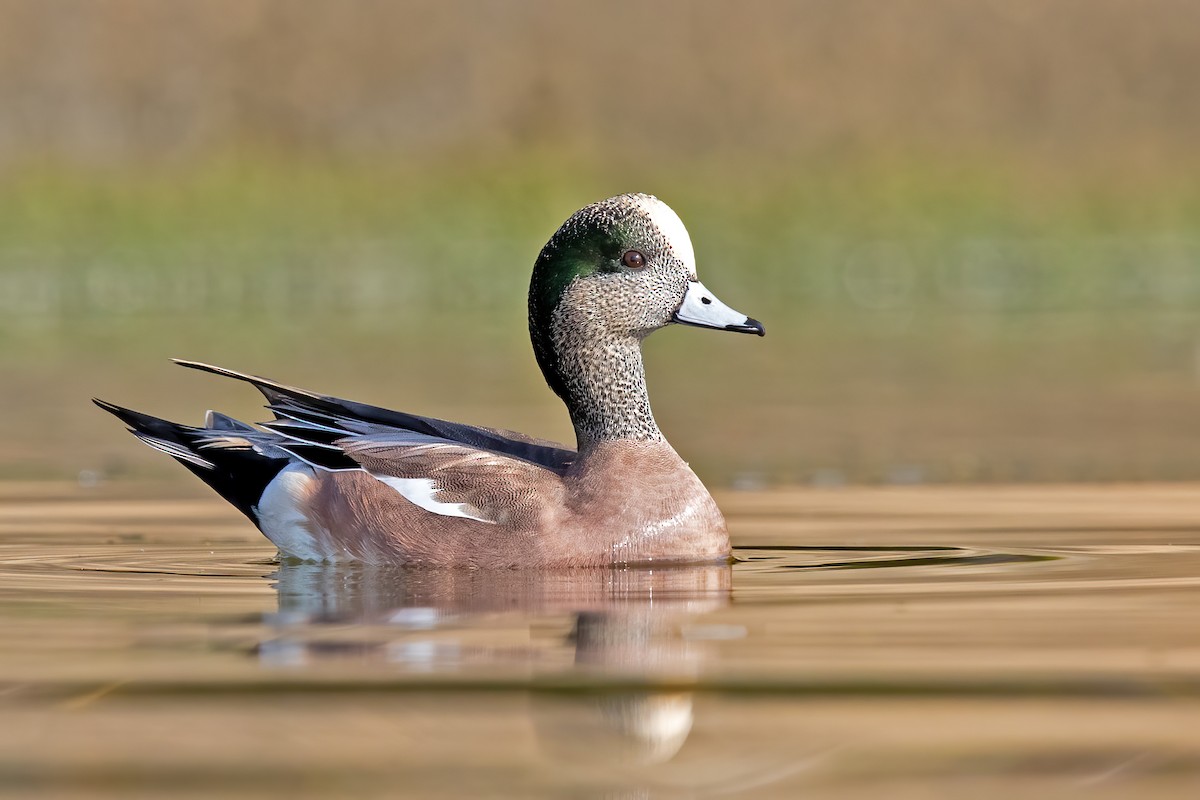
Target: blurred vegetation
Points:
(973, 230)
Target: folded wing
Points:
(446, 468)
(321, 419)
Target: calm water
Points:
(867, 643)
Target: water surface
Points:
(866, 643)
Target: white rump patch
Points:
(280, 517)
(420, 492)
(672, 228)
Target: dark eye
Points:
(633, 259)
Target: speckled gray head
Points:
(616, 271)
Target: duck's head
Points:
(623, 267)
(615, 272)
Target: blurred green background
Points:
(971, 229)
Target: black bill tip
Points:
(751, 325)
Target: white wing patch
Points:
(672, 228)
(422, 492)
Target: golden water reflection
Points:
(625, 624)
(982, 642)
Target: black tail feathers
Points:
(240, 474)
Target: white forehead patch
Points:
(672, 228)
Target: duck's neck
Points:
(602, 381)
(606, 392)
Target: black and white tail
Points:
(235, 459)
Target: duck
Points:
(333, 480)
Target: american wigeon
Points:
(332, 479)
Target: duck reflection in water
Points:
(590, 644)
